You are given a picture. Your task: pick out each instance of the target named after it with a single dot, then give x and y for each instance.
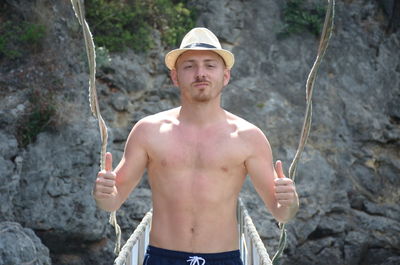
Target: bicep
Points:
(261, 171)
(133, 163)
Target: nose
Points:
(200, 74)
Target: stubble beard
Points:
(202, 97)
(205, 96)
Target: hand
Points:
(105, 183)
(285, 189)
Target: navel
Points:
(224, 169)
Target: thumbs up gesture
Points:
(285, 190)
(105, 183)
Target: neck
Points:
(201, 114)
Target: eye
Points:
(187, 66)
(210, 66)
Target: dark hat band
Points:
(199, 45)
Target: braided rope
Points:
(133, 239)
(93, 101)
(254, 236)
(323, 45)
(249, 226)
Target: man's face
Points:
(200, 75)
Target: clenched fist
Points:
(105, 183)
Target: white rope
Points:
(133, 239)
(93, 101)
(323, 45)
(248, 224)
(254, 236)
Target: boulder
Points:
(19, 245)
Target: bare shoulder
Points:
(155, 120)
(244, 128)
(253, 137)
(148, 125)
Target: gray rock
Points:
(9, 146)
(9, 179)
(355, 247)
(9, 183)
(56, 183)
(20, 245)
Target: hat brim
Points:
(172, 56)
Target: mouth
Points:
(200, 84)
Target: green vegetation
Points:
(18, 38)
(38, 117)
(102, 57)
(260, 105)
(298, 18)
(120, 24)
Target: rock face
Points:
(348, 177)
(20, 245)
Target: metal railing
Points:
(251, 247)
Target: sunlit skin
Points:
(200, 76)
(197, 157)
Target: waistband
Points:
(185, 255)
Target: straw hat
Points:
(199, 39)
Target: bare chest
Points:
(208, 150)
(191, 169)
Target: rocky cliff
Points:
(348, 178)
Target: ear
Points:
(227, 76)
(174, 77)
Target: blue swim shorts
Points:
(160, 256)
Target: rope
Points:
(323, 45)
(254, 236)
(133, 239)
(126, 251)
(79, 10)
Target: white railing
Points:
(132, 253)
(251, 247)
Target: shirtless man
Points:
(197, 157)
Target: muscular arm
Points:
(277, 191)
(113, 187)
